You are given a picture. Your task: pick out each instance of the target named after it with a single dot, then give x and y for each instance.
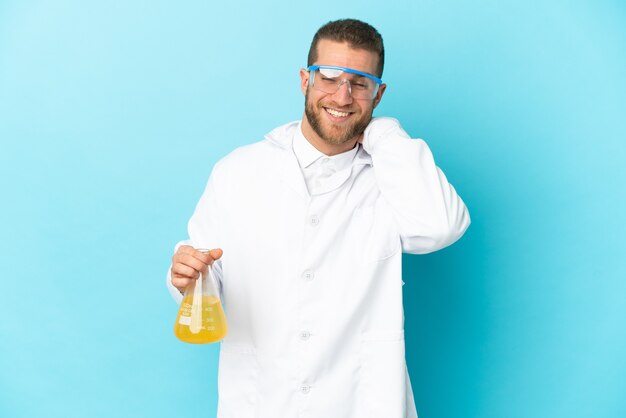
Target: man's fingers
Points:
(216, 253)
(180, 270)
(181, 283)
(187, 263)
(198, 260)
(185, 249)
(208, 257)
(192, 261)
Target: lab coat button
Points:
(315, 220)
(308, 275)
(305, 389)
(304, 335)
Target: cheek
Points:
(314, 99)
(366, 109)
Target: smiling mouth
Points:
(336, 113)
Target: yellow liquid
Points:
(205, 323)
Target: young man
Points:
(308, 228)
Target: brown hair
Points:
(359, 35)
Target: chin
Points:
(339, 139)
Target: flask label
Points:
(184, 320)
(185, 314)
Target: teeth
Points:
(336, 113)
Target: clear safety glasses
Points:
(329, 78)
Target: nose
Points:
(343, 95)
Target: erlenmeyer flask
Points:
(201, 319)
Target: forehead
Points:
(342, 54)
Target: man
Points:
(308, 228)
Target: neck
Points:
(322, 145)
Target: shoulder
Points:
(260, 153)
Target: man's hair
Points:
(359, 35)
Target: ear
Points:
(304, 80)
(379, 94)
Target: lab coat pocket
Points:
(382, 387)
(377, 238)
(237, 381)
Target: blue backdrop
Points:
(113, 113)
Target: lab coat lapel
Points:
(291, 174)
(286, 164)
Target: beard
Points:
(335, 134)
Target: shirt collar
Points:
(307, 154)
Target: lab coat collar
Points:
(362, 157)
(308, 155)
(288, 168)
(283, 136)
(286, 164)
(305, 152)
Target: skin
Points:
(329, 134)
(187, 263)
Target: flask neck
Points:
(204, 285)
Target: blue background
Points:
(113, 113)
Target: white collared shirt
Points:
(317, 168)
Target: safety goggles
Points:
(329, 78)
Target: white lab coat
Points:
(312, 285)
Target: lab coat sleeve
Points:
(428, 212)
(203, 229)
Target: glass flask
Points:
(201, 318)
